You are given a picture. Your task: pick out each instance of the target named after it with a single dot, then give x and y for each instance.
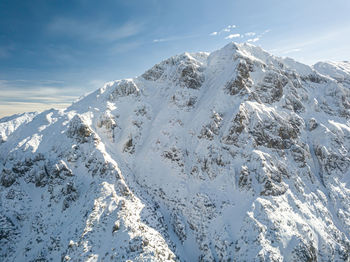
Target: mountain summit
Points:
(234, 155)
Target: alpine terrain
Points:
(234, 155)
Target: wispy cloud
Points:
(161, 40)
(253, 40)
(308, 43)
(258, 36)
(120, 48)
(43, 91)
(17, 82)
(11, 108)
(227, 29)
(250, 34)
(63, 54)
(232, 36)
(96, 31)
(13, 102)
(174, 38)
(24, 95)
(250, 37)
(285, 52)
(224, 31)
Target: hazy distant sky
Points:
(52, 52)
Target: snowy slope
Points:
(339, 71)
(235, 155)
(9, 124)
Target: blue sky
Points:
(52, 52)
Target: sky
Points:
(53, 52)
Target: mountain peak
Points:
(235, 154)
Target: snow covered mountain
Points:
(235, 155)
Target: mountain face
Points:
(235, 155)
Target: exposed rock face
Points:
(235, 155)
(184, 70)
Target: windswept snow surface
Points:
(235, 155)
(337, 70)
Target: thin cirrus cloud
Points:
(120, 48)
(232, 36)
(253, 40)
(174, 38)
(33, 95)
(285, 52)
(24, 95)
(11, 108)
(250, 34)
(251, 37)
(227, 29)
(43, 91)
(93, 31)
(257, 38)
